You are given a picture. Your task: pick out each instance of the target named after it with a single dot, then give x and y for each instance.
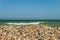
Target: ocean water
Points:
(52, 23)
(19, 22)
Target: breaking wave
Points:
(30, 23)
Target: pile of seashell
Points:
(31, 32)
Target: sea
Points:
(52, 23)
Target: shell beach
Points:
(29, 32)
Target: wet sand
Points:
(29, 32)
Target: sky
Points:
(30, 9)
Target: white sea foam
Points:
(30, 23)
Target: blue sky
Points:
(29, 9)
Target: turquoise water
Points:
(53, 23)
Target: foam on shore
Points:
(30, 23)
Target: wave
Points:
(30, 23)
